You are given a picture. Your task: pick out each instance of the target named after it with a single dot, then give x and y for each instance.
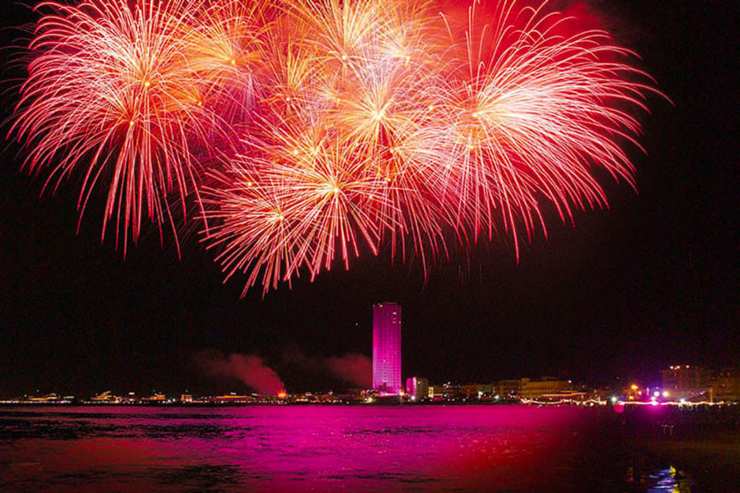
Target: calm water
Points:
(285, 449)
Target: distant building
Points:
(687, 382)
(106, 397)
(417, 388)
(387, 348)
(533, 389)
(435, 392)
(726, 386)
(47, 398)
(509, 389)
(232, 398)
(527, 388)
(448, 392)
(478, 391)
(155, 397)
(564, 395)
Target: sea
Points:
(467, 448)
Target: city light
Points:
(691, 386)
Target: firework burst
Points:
(341, 126)
(299, 198)
(108, 91)
(535, 109)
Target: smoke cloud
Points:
(352, 368)
(247, 368)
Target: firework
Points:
(225, 51)
(536, 106)
(299, 198)
(109, 91)
(340, 126)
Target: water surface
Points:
(315, 448)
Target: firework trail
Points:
(340, 126)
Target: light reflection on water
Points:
(285, 449)
(668, 480)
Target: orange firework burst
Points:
(360, 122)
(299, 197)
(226, 50)
(109, 90)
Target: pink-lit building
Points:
(417, 389)
(387, 348)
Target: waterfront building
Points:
(155, 397)
(387, 348)
(233, 398)
(564, 395)
(527, 388)
(435, 392)
(44, 399)
(106, 397)
(689, 382)
(534, 389)
(478, 391)
(509, 389)
(726, 386)
(452, 392)
(417, 388)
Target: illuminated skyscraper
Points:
(387, 348)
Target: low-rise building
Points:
(687, 382)
(417, 389)
(106, 397)
(528, 388)
(509, 389)
(726, 386)
(534, 389)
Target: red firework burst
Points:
(361, 121)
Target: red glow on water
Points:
(285, 449)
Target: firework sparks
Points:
(108, 91)
(360, 122)
(298, 198)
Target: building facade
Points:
(688, 382)
(417, 388)
(527, 388)
(535, 389)
(387, 348)
(726, 386)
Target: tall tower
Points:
(387, 348)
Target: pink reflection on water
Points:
(285, 449)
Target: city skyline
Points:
(682, 385)
(627, 291)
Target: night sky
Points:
(627, 291)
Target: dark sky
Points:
(650, 282)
